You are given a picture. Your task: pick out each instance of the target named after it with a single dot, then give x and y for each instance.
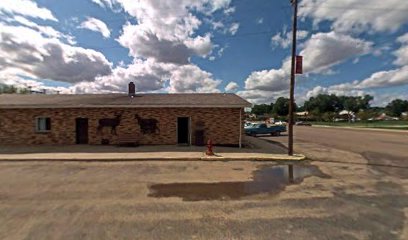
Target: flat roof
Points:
(158, 100)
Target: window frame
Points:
(37, 125)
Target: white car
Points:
(281, 123)
(248, 124)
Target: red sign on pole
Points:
(299, 67)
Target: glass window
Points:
(43, 124)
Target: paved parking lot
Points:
(160, 200)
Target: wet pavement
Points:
(267, 179)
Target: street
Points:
(374, 145)
(350, 188)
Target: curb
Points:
(297, 157)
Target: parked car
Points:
(301, 123)
(282, 123)
(262, 128)
(248, 124)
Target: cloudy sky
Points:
(241, 46)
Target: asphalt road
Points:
(340, 194)
(375, 144)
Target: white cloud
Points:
(316, 91)
(12, 77)
(231, 87)
(259, 20)
(402, 52)
(403, 38)
(161, 42)
(166, 33)
(267, 80)
(96, 25)
(220, 4)
(148, 45)
(200, 46)
(147, 76)
(216, 24)
(394, 77)
(336, 90)
(321, 52)
(229, 11)
(233, 29)
(324, 50)
(26, 8)
(42, 57)
(284, 39)
(104, 3)
(46, 31)
(382, 99)
(150, 75)
(260, 96)
(190, 78)
(356, 15)
(220, 52)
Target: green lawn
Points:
(397, 125)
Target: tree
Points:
(281, 106)
(355, 104)
(262, 109)
(328, 116)
(365, 102)
(301, 109)
(7, 89)
(364, 115)
(323, 103)
(396, 107)
(12, 89)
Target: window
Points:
(43, 124)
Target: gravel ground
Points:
(350, 197)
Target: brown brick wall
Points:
(17, 126)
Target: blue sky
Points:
(241, 46)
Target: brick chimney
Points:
(132, 89)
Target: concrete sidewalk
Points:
(255, 150)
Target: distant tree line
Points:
(396, 107)
(326, 107)
(12, 89)
(279, 108)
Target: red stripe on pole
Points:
(299, 65)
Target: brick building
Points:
(190, 118)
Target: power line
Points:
(354, 8)
(257, 10)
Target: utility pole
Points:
(292, 79)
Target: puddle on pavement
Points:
(267, 179)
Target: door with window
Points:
(81, 130)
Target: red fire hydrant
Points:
(209, 151)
